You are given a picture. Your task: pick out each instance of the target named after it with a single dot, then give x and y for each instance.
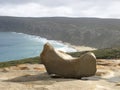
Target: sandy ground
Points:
(35, 77)
(81, 48)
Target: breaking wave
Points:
(19, 45)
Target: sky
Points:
(60, 8)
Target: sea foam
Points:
(57, 44)
(16, 46)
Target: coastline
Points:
(33, 76)
(79, 48)
(82, 48)
(76, 47)
(27, 45)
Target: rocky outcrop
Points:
(63, 65)
(13, 78)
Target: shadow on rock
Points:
(41, 78)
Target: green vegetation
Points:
(113, 53)
(109, 53)
(22, 61)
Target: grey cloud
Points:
(80, 8)
(52, 2)
(43, 2)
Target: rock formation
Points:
(63, 65)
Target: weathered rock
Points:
(64, 65)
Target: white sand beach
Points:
(79, 48)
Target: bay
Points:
(14, 46)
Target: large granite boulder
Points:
(63, 65)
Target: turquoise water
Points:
(14, 46)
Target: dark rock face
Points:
(61, 64)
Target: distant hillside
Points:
(93, 32)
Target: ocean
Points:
(15, 46)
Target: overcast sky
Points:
(67, 8)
